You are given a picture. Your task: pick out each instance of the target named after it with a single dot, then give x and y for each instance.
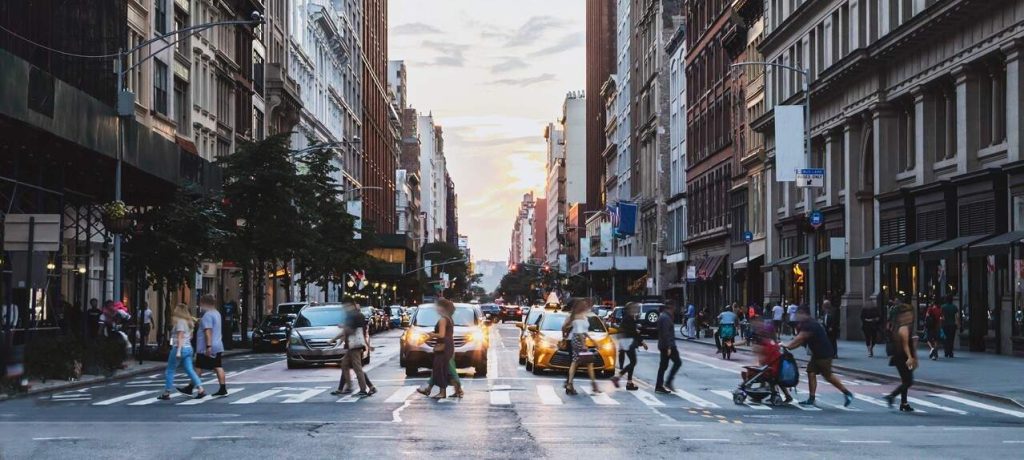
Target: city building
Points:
(433, 186)
(573, 123)
(283, 94)
(451, 211)
(920, 141)
(540, 230)
(522, 245)
(379, 144)
(555, 190)
(675, 258)
(601, 63)
(709, 151)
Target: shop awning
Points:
(824, 255)
(784, 262)
(869, 257)
(948, 248)
(742, 263)
(1001, 244)
(707, 271)
(905, 254)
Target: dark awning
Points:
(869, 257)
(905, 254)
(1000, 244)
(824, 255)
(707, 271)
(784, 262)
(948, 248)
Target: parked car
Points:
(510, 313)
(272, 333)
(647, 322)
(614, 318)
(398, 317)
(542, 340)
(309, 340)
(471, 341)
(410, 313)
(531, 319)
(491, 311)
(289, 308)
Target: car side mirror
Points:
(521, 325)
(532, 328)
(613, 330)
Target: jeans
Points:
(947, 345)
(906, 380)
(353, 360)
(668, 354)
(627, 370)
(870, 335)
(172, 367)
(691, 327)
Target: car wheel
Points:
(401, 360)
(480, 369)
(522, 359)
(529, 365)
(293, 364)
(410, 371)
(536, 370)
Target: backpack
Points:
(789, 373)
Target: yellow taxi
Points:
(531, 319)
(542, 340)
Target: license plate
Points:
(275, 342)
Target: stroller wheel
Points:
(738, 397)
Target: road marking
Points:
(303, 396)
(1013, 442)
(728, 395)
(695, 399)
(706, 439)
(871, 400)
(500, 395)
(863, 441)
(373, 436)
(396, 415)
(803, 407)
(679, 425)
(979, 405)
(351, 398)
(122, 398)
(842, 407)
(646, 398)
(241, 422)
(216, 438)
(148, 401)
(932, 405)
(194, 401)
(401, 394)
(59, 438)
(258, 396)
(548, 396)
(601, 399)
(826, 429)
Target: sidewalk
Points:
(981, 374)
(132, 368)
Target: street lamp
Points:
(126, 109)
(805, 75)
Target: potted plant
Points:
(116, 217)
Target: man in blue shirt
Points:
(691, 321)
(209, 344)
(814, 336)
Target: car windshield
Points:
(285, 309)
(396, 311)
(276, 321)
(428, 317)
(554, 322)
(317, 317)
(647, 308)
(532, 317)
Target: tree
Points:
(454, 264)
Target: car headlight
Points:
(416, 338)
(474, 337)
(548, 344)
(295, 339)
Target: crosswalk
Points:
(545, 394)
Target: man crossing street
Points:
(667, 351)
(209, 344)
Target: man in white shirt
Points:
(791, 318)
(777, 312)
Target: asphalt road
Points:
(272, 411)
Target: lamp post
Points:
(805, 75)
(126, 110)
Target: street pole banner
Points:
(355, 208)
(563, 263)
(789, 142)
(837, 248)
(627, 219)
(606, 237)
(584, 248)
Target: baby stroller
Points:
(765, 381)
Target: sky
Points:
(494, 73)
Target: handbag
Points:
(356, 339)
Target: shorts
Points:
(820, 366)
(209, 362)
(777, 323)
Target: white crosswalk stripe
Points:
(647, 398)
(547, 395)
(803, 407)
(126, 397)
(401, 395)
(304, 395)
(695, 399)
(194, 401)
(257, 397)
(601, 399)
(979, 405)
(877, 402)
(148, 401)
(728, 395)
(500, 395)
(932, 405)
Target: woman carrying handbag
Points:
(576, 327)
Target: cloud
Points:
(415, 28)
(567, 42)
(527, 81)
(451, 54)
(534, 29)
(508, 64)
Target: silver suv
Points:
(311, 333)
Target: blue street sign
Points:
(816, 219)
(748, 236)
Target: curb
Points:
(102, 379)
(980, 394)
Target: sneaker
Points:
(223, 391)
(372, 391)
(808, 402)
(889, 400)
(201, 395)
(361, 394)
(615, 381)
(630, 386)
(341, 392)
(788, 400)
(165, 396)
(662, 390)
(906, 408)
(670, 388)
(847, 399)
(186, 390)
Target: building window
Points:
(258, 122)
(160, 87)
(181, 22)
(906, 139)
(945, 122)
(181, 106)
(756, 202)
(134, 76)
(160, 16)
(257, 73)
(993, 104)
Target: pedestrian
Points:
(691, 322)
(210, 344)
(831, 322)
(791, 318)
(870, 319)
(92, 316)
(903, 355)
(950, 325)
(933, 329)
(444, 350)
(629, 340)
(353, 337)
(667, 351)
(576, 328)
(181, 352)
(726, 334)
(777, 313)
(812, 333)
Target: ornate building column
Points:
(1014, 101)
(968, 118)
(859, 229)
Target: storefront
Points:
(707, 288)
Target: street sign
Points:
(810, 177)
(816, 219)
(748, 236)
